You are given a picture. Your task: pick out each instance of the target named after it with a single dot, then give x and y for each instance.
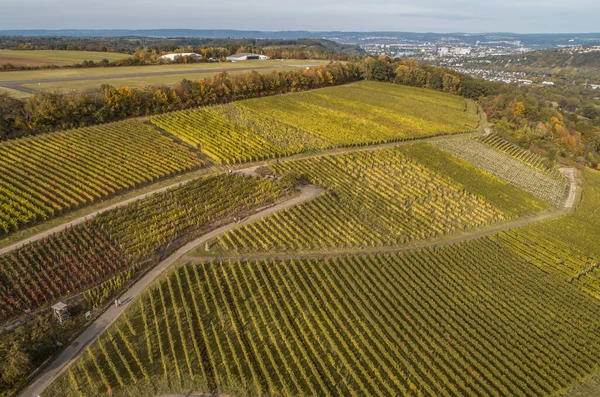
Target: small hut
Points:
(60, 312)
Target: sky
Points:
(518, 16)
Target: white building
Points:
(172, 57)
(245, 56)
(547, 83)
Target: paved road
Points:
(97, 327)
(18, 84)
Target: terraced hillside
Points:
(88, 254)
(379, 198)
(534, 160)
(356, 114)
(47, 175)
(567, 246)
(465, 320)
(541, 184)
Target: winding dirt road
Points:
(71, 353)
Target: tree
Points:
(376, 69)
(15, 365)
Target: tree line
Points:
(541, 120)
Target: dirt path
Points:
(18, 84)
(247, 169)
(570, 174)
(97, 327)
(442, 241)
(92, 215)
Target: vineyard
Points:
(44, 271)
(374, 198)
(463, 320)
(540, 184)
(357, 114)
(140, 228)
(534, 160)
(568, 246)
(46, 175)
(368, 112)
(499, 193)
(88, 254)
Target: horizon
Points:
(466, 33)
(435, 16)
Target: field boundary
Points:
(212, 168)
(69, 354)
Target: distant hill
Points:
(558, 58)
(550, 40)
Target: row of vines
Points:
(374, 198)
(46, 175)
(464, 320)
(357, 114)
(88, 254)
(533, 159)
(541, 184)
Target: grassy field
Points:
(136, 81)
(465, 320)
(14, 93)
(54, 57)
(350, 115)
(133, 70)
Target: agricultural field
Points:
(504, 196)
(548, 187)
(374, 198)
(567, 246)
(369, 112)
(54, 57)
(233, 134)
(46, 175)
(88, 254)
(83, 79)
(534, 160)
(144, 79)
(464, 320)
(356, 114)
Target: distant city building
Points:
(594, 86)
(172, 57)
(245, 56)
(547, 83)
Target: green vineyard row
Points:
(464, 320)
(46, 175)
(380, 198)
(86, 255)
(358, 114)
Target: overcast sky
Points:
(522, 16)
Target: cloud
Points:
(356, 15)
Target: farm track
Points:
(245, 169)
(438, 242)
(19, 84)
(72, 351)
